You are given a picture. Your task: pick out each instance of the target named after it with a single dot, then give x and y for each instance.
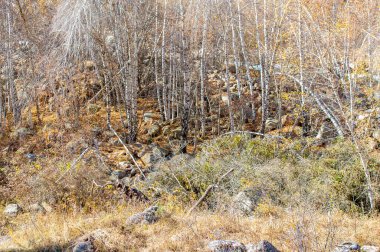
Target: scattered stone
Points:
(376, 134)
(148, 216)
(148, 117)
(176, 133)
(69, 126)
(97, 131)
(89, 65)
(271, 124)
(155, 154)
(4, 239)
(368, 248)
(262, 246)
(242, 204)
(36, 208)
(347, 247)
(48, 208)
(166, 130)
(226, 246)
(154, 130)
(22, 133)
(362, 117)
(85, 246)
(118, 174)
(93, 108)
(376, 95)
(124, 165)
(12, 210)
(31, 157)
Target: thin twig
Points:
(208, 190)
(250, 133)
(73, 164)
(127, 150)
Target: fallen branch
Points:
(208, 190)
(73, 164)
(250, 133)
(128, 191)
(126, 149)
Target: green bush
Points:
(285, 173)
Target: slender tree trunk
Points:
(304, 113)
(246, 64)
(203, 71)
(134, 82)
(227, 76)
(158, 89)
(163, 66)
(262, 71)
(186, 86)
(10, 75)
(265, 70)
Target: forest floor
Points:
(60, 143)
(288, 230)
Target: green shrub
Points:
(287, 174)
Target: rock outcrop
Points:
(226, 246)
(148, 216)
(12, 210)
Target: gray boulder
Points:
(154, 130)
(242, 204)
(271, 124)
(226, 246)
(148, 117)
(89, 65)
(36, 208)
(93, 108)
(245, 202)
(47, 207)
(154, 154)
(12, 210)
(118, 174)
(84, 246)
(124, 165)
(368, 248)
(176, 133)
(4, 239)
(262, 246)
(22, 133)
(376, 135)
(148, 216)
(347, 247)
(376, 95)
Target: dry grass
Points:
(288, 230)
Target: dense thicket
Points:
(249, 61)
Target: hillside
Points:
(189, 125)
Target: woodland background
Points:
(281, 96)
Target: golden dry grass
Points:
(287, 230)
